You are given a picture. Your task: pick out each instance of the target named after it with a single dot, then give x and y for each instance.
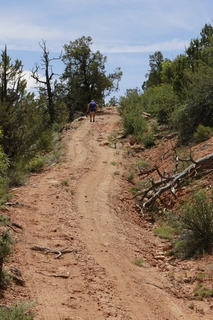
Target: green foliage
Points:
(161, 102)
(197, 223)
(113, 102)
(7, 277)
(4, 165)
(199, 104)
(131, 110)
(65, 183)
(45, 142)
(140, 126)
(139, 262)
(36, 164)
(61, 114)
(181, 78)
(21, 312)
(203, 291)
(117, 173)
(141, 164)
(168, 225)
(148, 140)
(3, 220)
(165, 232)
(84, 77)
(137, 187)
(202, 133)
(6, 242)
(154, 76)
(130, 176)
(179, 92)
(17, 174)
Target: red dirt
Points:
(80, 205)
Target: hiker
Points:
(92, 109)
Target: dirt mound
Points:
(84, 252)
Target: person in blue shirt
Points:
(92, 108)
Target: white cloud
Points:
(173, 45)
(126, 31)
(31, 83)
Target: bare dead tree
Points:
(46, 81)
(171, 182)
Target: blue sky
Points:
(127, 32)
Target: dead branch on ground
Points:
(55, 275)
(48, 250)
(171, 182)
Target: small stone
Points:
(159, 257)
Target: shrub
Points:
(130, 176)
(203, 292)
(21, 312)
(3, 220)
(45, 143)
(6, 242)
(139, 262)
(165, 232)
(197, 223)
(139, 125)
(148, 140)
(202, 133)
(141, 164)
(36, 164)
(4, 165)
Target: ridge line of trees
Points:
(178, 93)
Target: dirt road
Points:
(76, 205)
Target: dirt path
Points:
(76, 205)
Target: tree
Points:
(167, 73)
(206, 35)
(113, 101)
(45, 84)
(181, 78)
(12, 92)
(12, 82)
(22, 117)
(200, 49)
(154, 75)
(198, 108)
(194, 54)
(84, 77)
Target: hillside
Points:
(112, 267)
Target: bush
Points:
(164, 232)
(148, 140)
(36, 164)
(142, 164)
(203, 292)
(202, 133)
(21, 312)
(45, 143)
(197, 223)
(6, 242)
(140, 126)
(130, 176)
(5, 245)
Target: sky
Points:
(127, 32)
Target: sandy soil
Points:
(79, 205)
